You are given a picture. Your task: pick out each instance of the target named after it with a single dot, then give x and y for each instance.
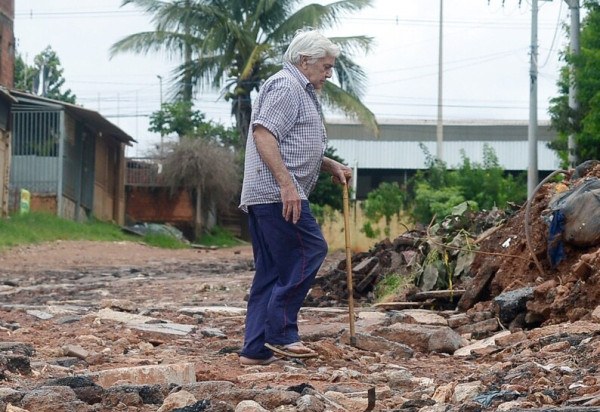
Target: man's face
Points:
(318, 72)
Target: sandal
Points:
(245, 361)
(293, 350)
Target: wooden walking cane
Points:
(349, 265)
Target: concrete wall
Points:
(4, 171)
(157, 204)
(7, 43)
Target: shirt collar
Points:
(298, 75)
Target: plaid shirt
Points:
(287, 106)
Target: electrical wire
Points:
(555, 34)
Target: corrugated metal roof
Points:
(5, 95)
(91, 117)
(424, 131)
(409, 155)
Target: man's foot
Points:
(245, 361)
(293, 350)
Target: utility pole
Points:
(532, 171)
(439, 132)
(573, 103)
(160, 89)
(162, 143)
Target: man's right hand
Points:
(292, 204)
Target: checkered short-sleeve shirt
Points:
(288, 107)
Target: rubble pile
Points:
(480, 256)
(426, 257)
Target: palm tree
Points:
(174, 34)
(235, 45)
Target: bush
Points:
(383, 202)
(437, 190)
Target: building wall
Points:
(7, 43)
(403, 147)
(4, 171)
(43, 203)
(119, 206)
(109, 198)
(7, 63)
(159, 205)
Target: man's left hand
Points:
(342, 175)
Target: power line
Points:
(490, 24)
(77, 14)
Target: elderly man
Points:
(284, 155)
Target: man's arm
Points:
(267, 147)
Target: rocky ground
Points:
(88, 326)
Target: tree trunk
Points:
(187, 76)
(243, 112)
(187, 58)
(198, 220)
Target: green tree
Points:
(327, 197)
(234, 45)
(179, 118)
(487, 184)
(182, 119)
(44, 78)
(585, 123)
(177, 34)
(429, 202)
(326, 192)
(383, 202)
(23, 74)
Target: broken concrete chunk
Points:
(425, 338)
(378, 344)
(418, 316)
(40, 314)
(167, 328)
(15, 364)
(119, 304)
(481, 344)
(179, 374)
(76, 351)
(213, 310)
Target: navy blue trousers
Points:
(287, 258)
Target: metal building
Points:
(402, 147)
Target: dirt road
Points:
(62, 300)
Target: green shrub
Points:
(383, 202)
(437, 190)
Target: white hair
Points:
(311, 44)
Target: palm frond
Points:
(351, 76)
(350, 105)
(354, 44)
(252, 61)
(317, 16)
(145, 42)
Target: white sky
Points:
(485, 59)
